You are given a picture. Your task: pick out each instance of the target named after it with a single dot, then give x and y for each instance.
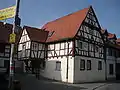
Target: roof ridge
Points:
(67, 15)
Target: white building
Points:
(71, 47)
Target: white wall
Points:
(88, 75)
(51, 73)
(24, 40)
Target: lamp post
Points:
(12, 36)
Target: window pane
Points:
(82, 64)
(111, 69)
(99, 65)
(58, 65)
(88, 64)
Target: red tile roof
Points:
(110, 36)
(67, 26)
(36, 34)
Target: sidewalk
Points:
(29, 82)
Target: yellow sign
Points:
(7, 13)
(12, 38)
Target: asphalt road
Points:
(111, 86)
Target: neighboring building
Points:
(5, 30)
(5, 46)
(110, 55)
(31, 46)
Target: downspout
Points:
(67, 62)
(105, 58)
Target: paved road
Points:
(29, 82)
(111, 86)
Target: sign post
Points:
(12, 41)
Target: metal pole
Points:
(11, 73)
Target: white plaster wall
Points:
(88, 75)
(51, 73)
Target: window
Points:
(109, 51)
(80, 44)
(91, 31)
(111, 69)
(99, 65)
(88, 64)
(82, 64)
(97, 48)
(58, 66)
(2, 48)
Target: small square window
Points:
(97, 49)
(88, 64)
(58, 66)
(99, 65)
(82, 64)
(80, 44)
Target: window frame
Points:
(56, 67)
(89, 62)
(82, 67)
(99, 65)
(111, 71)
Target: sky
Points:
(38, 12)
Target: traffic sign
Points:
(12, 38)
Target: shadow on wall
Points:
(53, 70)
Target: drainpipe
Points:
(105, 58)
(67, 62)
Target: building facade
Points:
(72, 49)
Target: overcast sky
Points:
(37, 12)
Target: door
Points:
(118, 71)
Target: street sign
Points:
(7, 13)
(12, 38)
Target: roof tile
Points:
(67, 26)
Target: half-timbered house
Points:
(31, 47)
(75, 50)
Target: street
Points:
(112, 86)
(29, 82)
